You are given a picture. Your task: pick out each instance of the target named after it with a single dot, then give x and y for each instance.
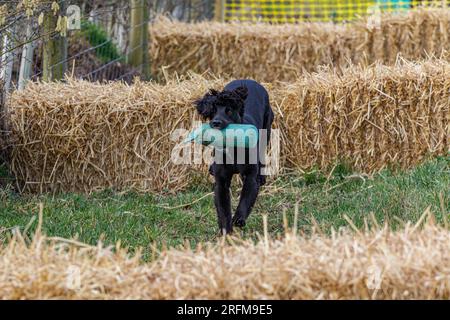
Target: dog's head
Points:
(222, 108)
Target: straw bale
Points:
(413, 263)
(369, 117)
(271, 53)
(85, 137)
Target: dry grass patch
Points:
(410, 264)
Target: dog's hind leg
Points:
(222, 200)
(265, 138)
(249, 193)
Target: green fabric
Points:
(234, 135)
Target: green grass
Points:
(139, 220)
(97, 37)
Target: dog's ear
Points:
(205, 105)
(204, 108)
(212, 92)
(242, 92)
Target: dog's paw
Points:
(238, 221)
(224, 232)
(262, 180)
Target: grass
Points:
(138, 220)
(97, 37)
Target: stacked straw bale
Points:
(369, 118)
(85, 137)
(410, 264)
(271, 53)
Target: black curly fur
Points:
(207, 106)
(247, 102)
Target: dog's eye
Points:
(229, 111)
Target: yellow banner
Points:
(292, 11)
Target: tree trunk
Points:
(54, 54)
(6, 66)
(135, 52)
(219, 10)
(27, 59)
(7, 59)
(146, 58)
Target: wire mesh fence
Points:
(91, 39)
(184, 10)
(291, 11)
(94, 39)
(94, 44)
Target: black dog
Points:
(245, 102)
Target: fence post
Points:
(54, 47)
(135, 51)
(27, 59)
(219, 10)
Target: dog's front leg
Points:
(222, 201)
(248, 197)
